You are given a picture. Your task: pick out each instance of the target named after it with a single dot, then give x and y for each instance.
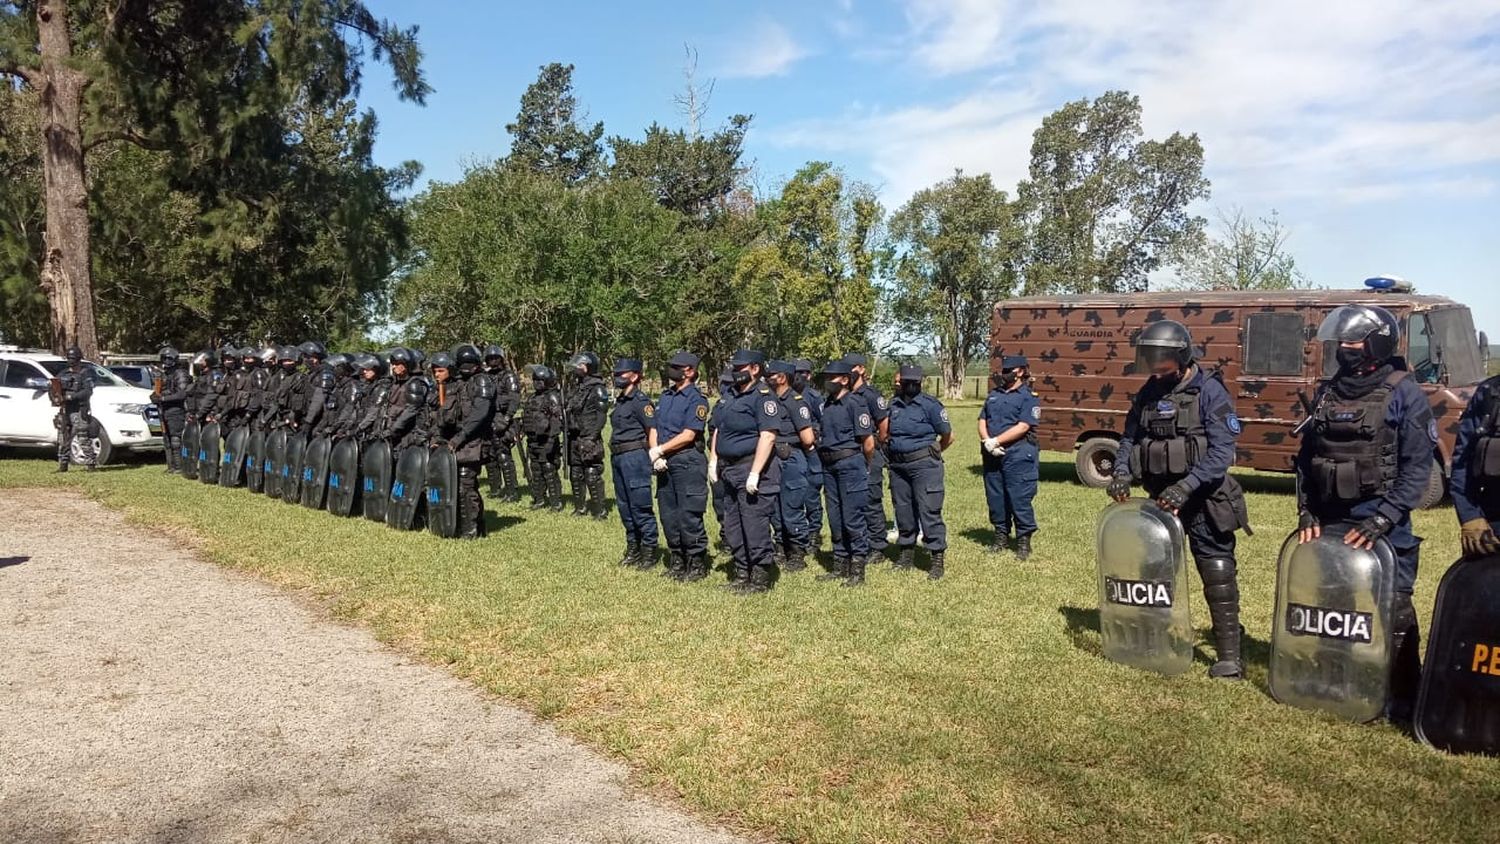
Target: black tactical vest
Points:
(1172, 436)
(1353, 451)
(1485, 467)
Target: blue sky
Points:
(1373, 127)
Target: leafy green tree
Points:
(1246, 254)
(692, 175)
(1103, 208)
(206, 81)
(547, 136)
(954, 250)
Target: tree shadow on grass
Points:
(1082, 628)
(6, 562)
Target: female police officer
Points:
(845, 447)
(1007, 424)
(676, 454)
(920, 433)
(632, 417)
(744, 456)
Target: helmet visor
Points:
(1151, 357)
(1348, 324)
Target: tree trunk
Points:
(66, 276)
(954, 369)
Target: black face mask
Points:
(1009, 379)
(675, 374)
(911, 389)
(742, 377)
(1351, 358)
(800, 383)
(621, 382)
(539, 386)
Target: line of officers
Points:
(1365, 459)
(767, 455)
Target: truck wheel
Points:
(1437, 487)
(1095, 461)
(104, 450)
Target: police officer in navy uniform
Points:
(1476, 471)
(1009, 453)
(846, 444)
(813, 502)
(744, 455)
(1369, 477)
(717, 494)
(795, 437)
(682, 470)
(1179, 438)
(879, 409)
(920, 433)
(630, 423)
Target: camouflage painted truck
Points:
(1263, 342)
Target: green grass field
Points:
(977, 708)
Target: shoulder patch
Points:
(1233, 423)
(804, 412)
(649, 410)
(865, 421)
(1036, 413)
(702, 412)
(882, 403)
(770, 407)
(1432, 433)
(943, 414)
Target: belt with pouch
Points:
(914, 456)
(626, 448)
(834, 455)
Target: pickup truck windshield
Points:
(1444, 340)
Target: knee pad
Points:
(1217, 571)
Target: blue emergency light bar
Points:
(1389, 284)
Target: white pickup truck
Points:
(127, 419)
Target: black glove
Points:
(1119, 488)
(1373, 528)
(1173, 497)
(1306, 520)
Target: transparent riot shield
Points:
(208, 453)
(188, 451)
(232, 465)
(343, 477)
(291, 471)
(1143, 588)
(255, 461)
(375, 480)
(275, 462)
(407, 487)
(1331, 635)
(315, 472)
(1458, 709)
(442, 492)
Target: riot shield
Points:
(189, 450)
(1143, 594)
(375, 480)
(315, 472)
(442, 492)
(255, 462)
(232, 466)
(1331, 635)
(275, 462)
(291, 471)
(343, 477)
(1458, 709)
(407, 486)
(208, 453)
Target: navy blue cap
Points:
(726, 375)
(802, 365)
(747, 356)
(627, 365)
(911, 373)
(782, 367)
(856, 359)
(684, 359)
(1013, 362)
(838, 367)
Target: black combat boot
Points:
(580, 492)
(839, 572)
(760, 581)
(906, 559)
(697, 567)
(1023, 547)
(676, 564)
(645, 557)
(1000, 545)
(739, 578)
(778, 555)
(796, 558)
(857, 570)
(1406, 665)
(1222, 593)
(594, 477)
(554, 490)
(631, 550)
(935, 571)
(62, 466)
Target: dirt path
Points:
(148, 696)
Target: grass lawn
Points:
(977, 708)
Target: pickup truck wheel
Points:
(104, 450)
(1095, 461)
(1437, 487)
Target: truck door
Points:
(1274, 353)
(25, 411)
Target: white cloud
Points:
(765, 49)
(1359, 100)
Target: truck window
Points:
(1453, 346)
(1419, 350)
(1273, 344)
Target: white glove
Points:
(659, 465)
(655, 454)
(752, 483)
(991, 444)
(998, 451)
(713, 471)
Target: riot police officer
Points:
(813, 501)
(846, 445)
(246, 389)
(462, 419)
(879, 409)
(205, 389)
(318, 384)
(1179, 437)
(1369, 477)
(1476, 471)
(289, 400)
(171, 395)
(1009, 454)
(74, 419)
(795, 437)
(367, 398)
(920, 433)
(677, 458)
(226, 396)
(744, 455)
(542, 423)
(405, 404)
(506, 429)
(587, 409)
(630, 424)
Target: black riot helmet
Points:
(399, 355)
(313, 349)
(1377, 328)
(74, 355)
(418, 357)
(1161, 341)
(543, 378)
(286, 354)
(441, 360)
(168, 356)
(494, 353)
(467, 358)
(586, 361)
(366, 361)
(341, 363)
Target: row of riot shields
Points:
(1331, 636)
(407, 491)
